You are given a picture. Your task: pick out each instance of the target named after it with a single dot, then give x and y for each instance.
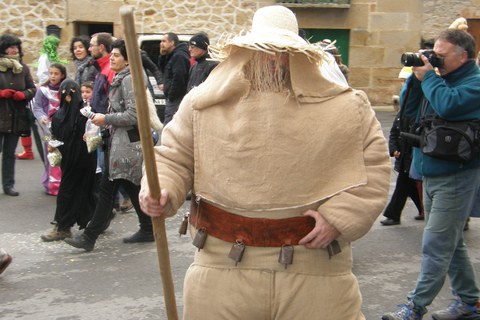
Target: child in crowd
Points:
(75, 199)
(46, 104)
(87, 91)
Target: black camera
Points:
(413, 59)
(414, 136)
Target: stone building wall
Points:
(28, 20)
(436, 18)
(380, 30)
(212, 16)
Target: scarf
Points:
(11, 62)
(118, 78)
(81, 66)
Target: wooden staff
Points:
(139, 87)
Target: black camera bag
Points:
(451, 140)
(438, 138)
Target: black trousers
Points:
(103, 211)
(8, 144)
(405, 187)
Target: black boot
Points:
(11, 192)
(140, 236)
(390, 222)
(81, 241)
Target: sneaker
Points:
(55, 234)
(140, 236)
(5, 260)
(126, 205)
(404, 312)
(456, 310)
(81, 241)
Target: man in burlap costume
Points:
(281, 160)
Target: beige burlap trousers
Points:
(260, 288)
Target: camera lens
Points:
(411, 59)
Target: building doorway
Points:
(474, 30)
(342, 36)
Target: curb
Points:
(383, 108)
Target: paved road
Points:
(121, 281)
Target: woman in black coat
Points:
(16, 90)
(405, 186)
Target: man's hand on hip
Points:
(323, 233)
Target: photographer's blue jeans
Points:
(448, 201)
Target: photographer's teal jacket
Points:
(454, 97)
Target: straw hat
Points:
(274, 29)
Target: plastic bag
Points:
(54, 156)
(93, 136)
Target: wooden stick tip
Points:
(126, 10)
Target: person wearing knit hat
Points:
(287, 168)
(203, 65)
(200, 40)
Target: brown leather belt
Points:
(257, 232)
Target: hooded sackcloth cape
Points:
(250, 151)
(274, 155)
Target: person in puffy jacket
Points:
(174, 63)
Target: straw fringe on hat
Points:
(274, 29)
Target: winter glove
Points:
(19, 96)
(7, 93)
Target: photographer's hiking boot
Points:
(456, 310)
(55, 234)
(404, 312)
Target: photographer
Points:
(450, 187)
